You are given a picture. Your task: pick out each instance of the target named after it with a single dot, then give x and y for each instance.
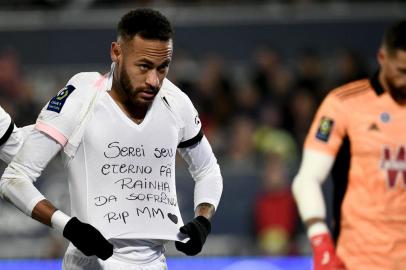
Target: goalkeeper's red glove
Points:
(324, 255)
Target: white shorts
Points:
(72, 261)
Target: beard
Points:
(124, 85)
(130, 93)
(398, 93)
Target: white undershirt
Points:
(306, 188)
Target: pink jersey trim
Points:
(100, 82)
(52, 132)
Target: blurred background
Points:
(255, 70)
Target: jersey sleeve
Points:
(15, 140)
(5, 125)
(60, 115)
(10, 137)
(191, 132)
(328, 127)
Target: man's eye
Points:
(163, 68)
(143, 67)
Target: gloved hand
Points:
(324, 255)
(87, 239)
(197, 230)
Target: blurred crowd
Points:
(257, 117)
(57, 4)
(255, 114)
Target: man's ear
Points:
(381, 56)
(115, 52)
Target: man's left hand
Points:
(197, 230)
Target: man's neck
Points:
(135, 113)
(397, 98)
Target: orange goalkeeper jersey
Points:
(373, 211)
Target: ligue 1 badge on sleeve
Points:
(325, 128)
(58, 101)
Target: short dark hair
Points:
(145, 22)
(395, 37)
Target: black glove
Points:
(87, 239)
(197, 230)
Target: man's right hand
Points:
(324, 256)
(87, 239)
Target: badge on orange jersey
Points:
(325, 128)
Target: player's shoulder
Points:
(80, 85)
(77, 92)
(355, 91)
(85, 79)
(174, 96)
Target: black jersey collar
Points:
(376, 85)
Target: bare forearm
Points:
(205, 209)
(43, 212)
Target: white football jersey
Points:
(122, 178)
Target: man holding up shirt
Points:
(120, 134)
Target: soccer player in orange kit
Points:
(369, 118)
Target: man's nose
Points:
(153, 78)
